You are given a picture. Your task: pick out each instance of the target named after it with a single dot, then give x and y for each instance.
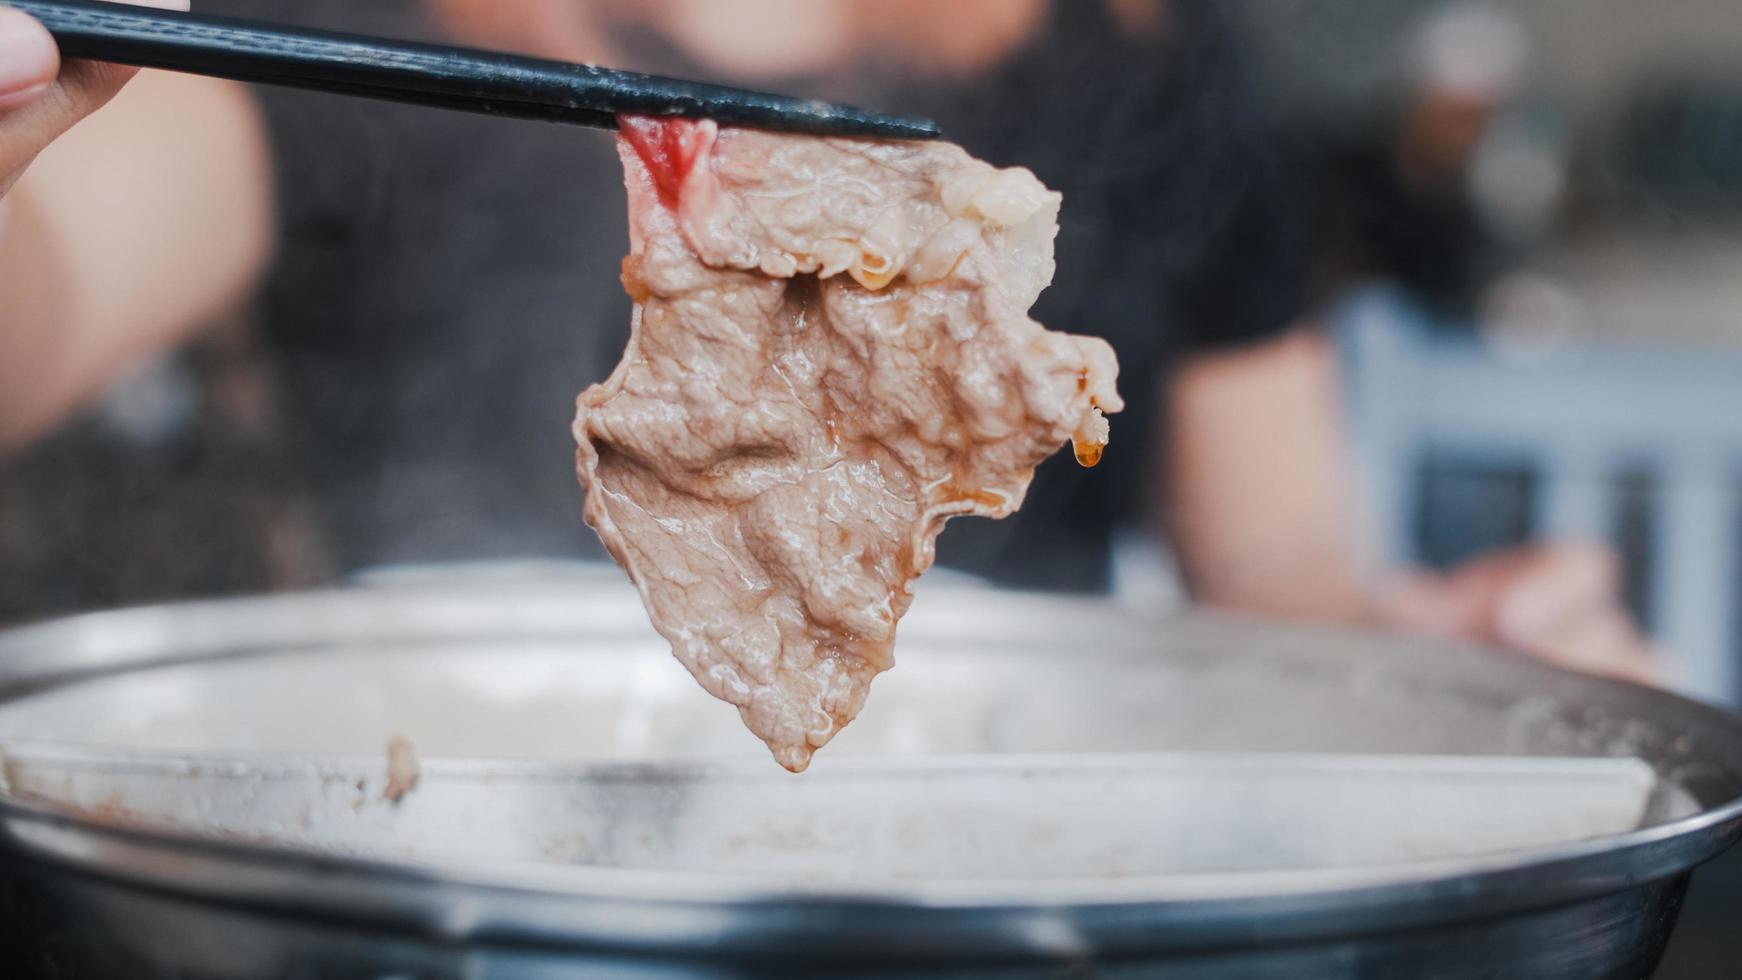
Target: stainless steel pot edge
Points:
(631, 910)
(635, 910)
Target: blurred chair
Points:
(1580, 429)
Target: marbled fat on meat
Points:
(831, 355)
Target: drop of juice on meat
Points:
(1089, 454)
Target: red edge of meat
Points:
(669, 148)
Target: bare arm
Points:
(1257, 495)
(124, 235)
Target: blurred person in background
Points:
(431, 290)
(1393, 199)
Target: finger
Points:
(91, 84)
(29, 60)
(1605, 642)
(40, 96)
(1462, 602)
(1559, 585)
(1432, 604)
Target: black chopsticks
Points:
(430, 74)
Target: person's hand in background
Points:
(1264, 518)
(40, 97)
(1560, 602)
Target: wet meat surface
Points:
(831, 356)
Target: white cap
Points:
(1473, 49)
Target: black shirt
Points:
(447, 283)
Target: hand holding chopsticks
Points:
(428, 74)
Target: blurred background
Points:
(1530, 221)
(1525, 230)
(1532, 257)
(1526, 236)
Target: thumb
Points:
(40, 97)
(29, 60)
(35, 106)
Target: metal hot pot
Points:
(1044, 786)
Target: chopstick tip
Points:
(842, 121)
